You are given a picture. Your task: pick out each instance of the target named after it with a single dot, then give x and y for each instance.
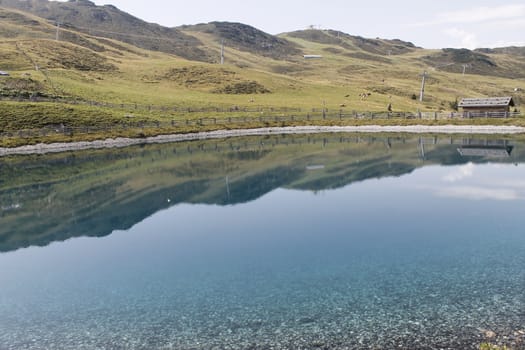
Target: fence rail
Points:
(228, 121)
(286, 110)
(135, 107)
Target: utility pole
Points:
(228, 192)
(422, 148)
(57, 37)
(222, 52)
(423, 82)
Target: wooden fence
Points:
(290, 111)
(135, 107)
(238, 121)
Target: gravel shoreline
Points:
(124, 142)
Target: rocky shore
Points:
(124, 142)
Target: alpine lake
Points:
(322, 241)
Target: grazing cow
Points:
(364, 95)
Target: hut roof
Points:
(487, 102)
(489, 152)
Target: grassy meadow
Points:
(80, 74)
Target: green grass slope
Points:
(246, 38)
(479, 62)
(84, 69)
(110, 22)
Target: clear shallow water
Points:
(410, 254)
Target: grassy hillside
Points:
(481, 62)
(351, 42)
(243, 37)
(108, 21)
(87, 68)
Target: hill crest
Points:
(353, 42)
(246, 38)
(110, 22)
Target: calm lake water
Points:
(283, 242)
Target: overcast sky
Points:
(430, 24)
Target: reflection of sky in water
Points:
(371, 209)
(493, 182)
(436, 248)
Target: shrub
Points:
(454, 105)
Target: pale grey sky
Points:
(430, 24)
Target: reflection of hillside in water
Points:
(92, 193)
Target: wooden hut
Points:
(494, 106)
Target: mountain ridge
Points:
(247, 38)
(108, 21)
(105, 55)
(65, 11)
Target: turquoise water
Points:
(326, 243)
